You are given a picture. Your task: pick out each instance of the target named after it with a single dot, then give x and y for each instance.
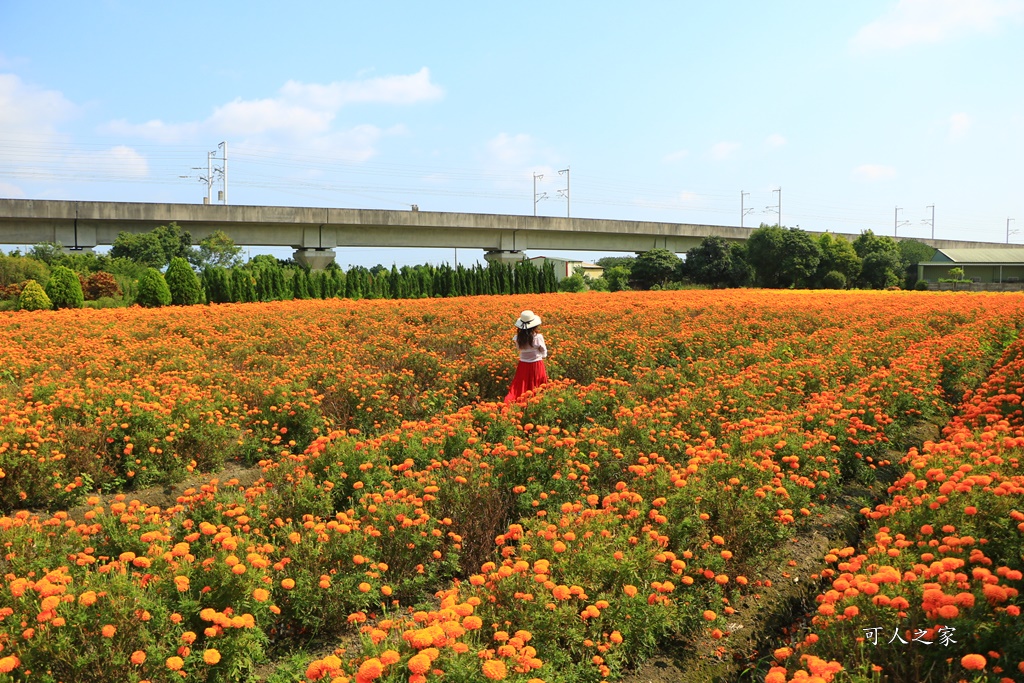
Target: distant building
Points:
(980, 265)
(566, 267)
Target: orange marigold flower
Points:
(419, 664)
(175, 663)
(108, 631)
(973, 662)
(9, 664)
(495, 670)
(370, 669)
(389, 657)
(138, 657)
(211, 656)
(287, 584)
(709, 615)
(260, 595)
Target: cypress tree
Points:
(64, 288)
(153, 289)
(182, 282)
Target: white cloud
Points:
(11, 191)
(408, 89)
(511, 150)
(120, 162)
(959, 124)
(301, 114)
(874, 172)
(775, 140)
(678, 155)
(724, 150)
(29, 111)
(912, 22)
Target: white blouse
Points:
(533, 353)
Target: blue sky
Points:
(663, 110)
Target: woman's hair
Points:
(524, 338)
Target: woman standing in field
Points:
(530, 373)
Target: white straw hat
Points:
(528, 320)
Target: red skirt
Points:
(529, 376)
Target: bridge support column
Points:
(314, 259)
(504, 256)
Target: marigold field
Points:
(403, 525)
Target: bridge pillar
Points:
(72, 250)
(504, 256)
(314, 259)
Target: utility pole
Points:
(1008, 229)
(537, 197)
(565, 192)
(896, 222)
(777, 207)
(932, 207)
(222, 171)
(743, 212)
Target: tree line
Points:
(162, 267)
(776, 257)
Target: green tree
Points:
(742, 273)
(608, 262)
(33, 298)
(573, 283)
(217, 249)
(15, 269)
(881, 269)
(64, 288)
(833, 280)
(886, 267)
(153, 290)
(153, 249)
(183, 283)
(782, 257)
(913, 252)
(617, 277)
(49, 253)
(764, 252)
(710, 263)
(837, 255)
(142, 248)
(654, 267)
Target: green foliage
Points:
(712, 263)
(742, 273)
(153, 249)
(15, 269)
(153, 290)
(64, 288)
(921, 286)
(49, 253)
(654, 267)
(833, 280)
(183, 283)
(617, 277)
(783, 258)
(573, 283)
(34, 298)
(837, 255)
(956, 274)
(219, 250)
(609, 262)
(881, 269)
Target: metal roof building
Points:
(979, 265)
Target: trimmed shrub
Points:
(34, 298)
(833, 280)
(183, 283)
(153, 290)
(921, 286)
(64, 288)
(100, 285)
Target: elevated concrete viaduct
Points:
(315, 233)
